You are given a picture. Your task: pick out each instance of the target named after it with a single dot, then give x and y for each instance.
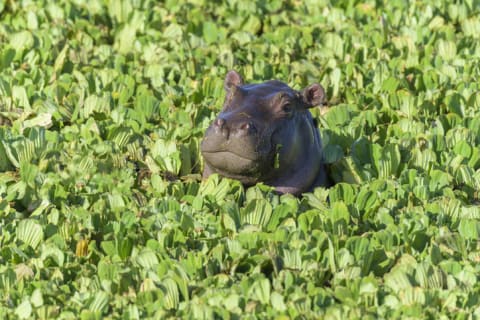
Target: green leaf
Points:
(335, 43)
(53, 252)
(6, 57)
(41, 120)
(412, 296)
(343, 192)
(167, 156)
(21, 40)
(126, 39)
(124, 247)
(182, 280)
(469, 229)
(257, 212)
(30, 232)
(107, 271)
(24, 310)
(340, 217)
(277, 301)
(292, 259)
(447, 49)
(20, 97)
(109, 247)
(386, 159)
(37, 298)
(100, 302)
(210, 32)
(358, 246)
(171, 295)
(173, 32)
(331, 257)
(390, 85)
(252, 24)
(147, 259)
(260, 291)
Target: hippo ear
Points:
(232, 79)
(313, 95)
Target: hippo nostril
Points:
(220, 127)
(219, 122)
(245, 126)
(248, 127)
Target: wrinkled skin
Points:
(265, 133)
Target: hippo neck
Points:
(304, 180)
(308, 174)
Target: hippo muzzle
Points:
(265, 133)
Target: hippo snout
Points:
(224, 127)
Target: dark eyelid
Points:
(285, 99)
(287, 107)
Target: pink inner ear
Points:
(232, 79)
(314, 94)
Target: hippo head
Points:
(265, 133)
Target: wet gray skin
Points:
(265, 133)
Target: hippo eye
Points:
(287, 108)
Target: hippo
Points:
(265, 133)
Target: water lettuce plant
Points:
(102, 210)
